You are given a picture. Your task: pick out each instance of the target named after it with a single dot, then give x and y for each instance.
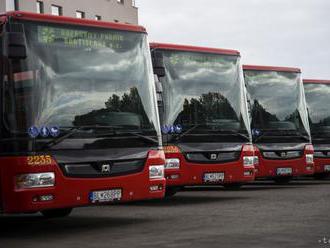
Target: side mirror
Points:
(15, 42)
(158, 63)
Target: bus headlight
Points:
(248, 160)
(156, 171)
(309, 158)
(35, 180)
(172, 163)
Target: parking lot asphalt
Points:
(261, 215)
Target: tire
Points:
(171, 191)
(282, 180)
(57, 213)
(233, 186)
(321, 176)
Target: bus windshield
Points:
(78, 76)
(318, 105)
(277, 103)
(204, 93)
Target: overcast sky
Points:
(268, 32)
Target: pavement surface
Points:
(261, 215)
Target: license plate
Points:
(214, 177)
(327, 168)
(105, 196)
(284, 171)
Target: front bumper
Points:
(320, 165)
(70, 192)
(268, 168)
(191, 174)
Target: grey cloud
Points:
(273, 32)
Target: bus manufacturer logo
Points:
(284, 154)
(213, 156)
(106, 168)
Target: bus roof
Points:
(193, 49)
(74, 21)
(270, 68)
(316, 81)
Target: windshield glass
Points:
(318, 105)
(204, 93)
(277, 102)
(81, 76)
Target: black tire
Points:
(171, 191)
(321, 176)
(233, 186)
(57, 213)
(282, 180)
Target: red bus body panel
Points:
(270, 68)
(20, 15)
(72, 192)
(186, 48)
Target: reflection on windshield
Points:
(277, 101)
(119, 111)
(318, 105)
(204, 90)
(81, 76)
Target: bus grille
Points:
(102, 168)
(212, 157)
(282, 155)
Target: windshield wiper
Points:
(288, 133)
(222, 132)
(186, 133)
(231, 132)
(115, 130)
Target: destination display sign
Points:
(80, 38)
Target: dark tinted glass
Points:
(318, 105)
(81, 76)
(277, 101)
(205, 92)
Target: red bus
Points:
(317, 94)
(79, 119)
(204, 117)
(280, 126)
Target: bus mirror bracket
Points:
(15, 42)
(158, 63)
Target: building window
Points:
(98, 18)
(16, 5)
(133, 3)
(120, 1)
(57, 10)
(80, 14)
(40, 7)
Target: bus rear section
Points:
(317, 94)
(79, 118)
(280, 126)
(204, 118)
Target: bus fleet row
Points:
(93, 114)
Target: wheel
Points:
(282, 180)
(232, 186)
(57, 213)
(321, 176)
(171, 191)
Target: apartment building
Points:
(123, 11)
